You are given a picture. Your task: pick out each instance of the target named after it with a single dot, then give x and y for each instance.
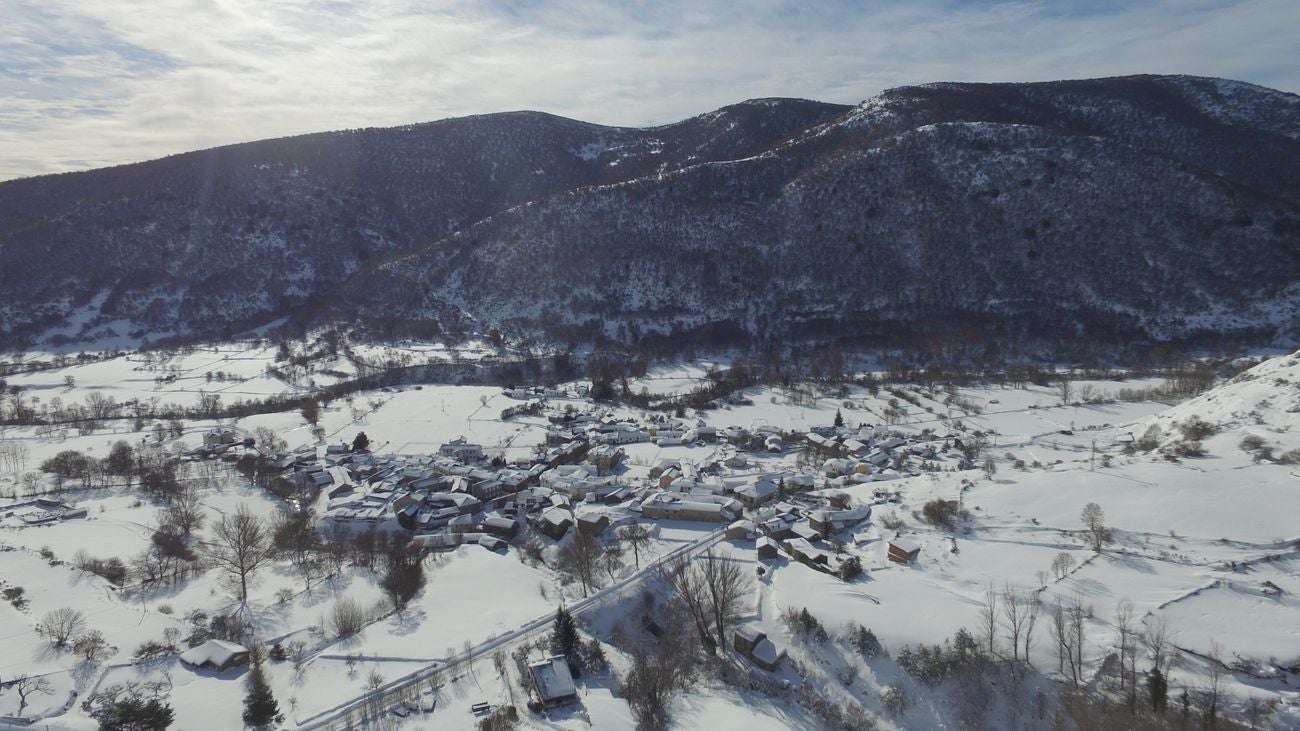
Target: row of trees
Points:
(1008, 620)
(158, 471)
(242, 543)
(97, 409)
(588, 560)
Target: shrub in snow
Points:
(894, 700)
(91, 646)
(111, 569)
(850, 568)
(1183, 448)
(502, 718)
(1255, 446)
(14, 595)
(153, 649)
(346, 618)
(941, 513)
(1149, 440)
(1195, 428)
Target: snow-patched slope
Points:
(1262, 401)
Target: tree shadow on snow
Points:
(407, 622)
(1129, 561)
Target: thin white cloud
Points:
(91, 84)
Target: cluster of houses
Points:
(525, 393)
(578, 479)
(798, 533)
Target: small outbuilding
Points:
(903, 550)
(593, 524)
(754, 645)
(741, 530)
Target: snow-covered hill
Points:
(1109, 209)
(1143, 206)
(1260, 405)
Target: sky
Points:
(89, 83)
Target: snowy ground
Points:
(1195, 540)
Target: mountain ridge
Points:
(992, 205)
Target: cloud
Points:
(91, 84)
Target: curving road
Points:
(393, 692)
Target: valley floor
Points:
(1204, 545)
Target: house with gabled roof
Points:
(216, 655)
(553, 681)
(903, 550)
(753, 644)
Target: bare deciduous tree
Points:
(1031, 619)
(1061, 634)
(711, 589)
(1067, 631)
(727, 583)
(1015, 611)
(92, 646)
(989, 618)
(653, 679)
(688, 588)
(25, 685)
(1094, 526)
(1076, 613)
(1062, 564)
(637, 536)
(185, 512)
(268, 441)
(347, 617)
(60, 625)
(1157, 640)
(1126, 638)
(611, 560)
(581, 558)
(1211, 697)
(241, 545)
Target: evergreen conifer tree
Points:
(133, 713)
(564, 634)
(260, 707)
(1158, 687)
(361, 442)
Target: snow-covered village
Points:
(758, 365)
(689, 546)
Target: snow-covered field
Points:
(1197, 541)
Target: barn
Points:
(902, 550)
